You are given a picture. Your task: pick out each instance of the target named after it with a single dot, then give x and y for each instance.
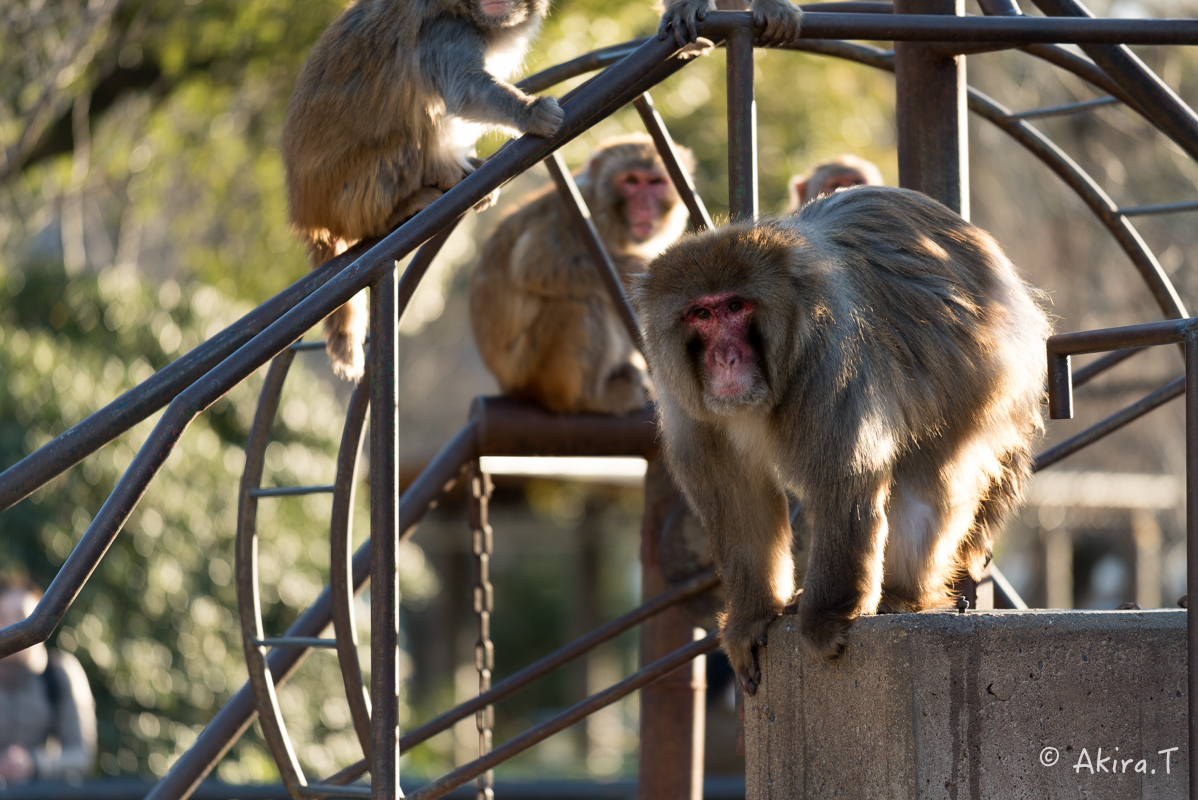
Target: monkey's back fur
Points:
(902, 369)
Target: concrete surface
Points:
(999, 705)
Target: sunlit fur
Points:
(545, 324)
(902, 366)
(384, 118)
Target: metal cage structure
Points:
(931, 41)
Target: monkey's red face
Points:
(729, 361)
(644, 192)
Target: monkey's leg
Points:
(844, 573)
(744, 512)
(411, 206)
(344, 335)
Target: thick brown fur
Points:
(900, 363)
(384, 118)
(779, 20)
(828, 176)
(545, 325)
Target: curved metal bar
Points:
(1067, 170)
(1086, 70)
(249, 601)
(223, 731)
(341, 582)
(1168, 112)
(1092, 194)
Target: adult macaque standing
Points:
(779, 20)
(545, 324)
(875, 353)
(384, 119)
(841, 172)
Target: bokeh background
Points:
(142, 209)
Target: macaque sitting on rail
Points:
(878, 355)
(544, 322)
(824, 178)
(384, 119)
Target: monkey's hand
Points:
(779, 20)
(682, 18)
(544, 117)
(741, 635)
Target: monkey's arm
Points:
(844, 572)
(452, 56)
(744, 512)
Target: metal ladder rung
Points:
(291, 491)
(1163, 208)
(1067, 108)
(327, 790)
(295, 641)
(318, 344)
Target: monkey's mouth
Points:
(493, 8)
(642, 230)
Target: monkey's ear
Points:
(798, 187)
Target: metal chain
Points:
(484, 599)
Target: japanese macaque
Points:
(780, 20)
(384, 119)
(839, 173)
(874, 353)
(544, 322)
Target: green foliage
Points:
(155, 627)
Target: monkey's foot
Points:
(741, 637)
(487, 202)
(683, 18)
(545, 116)
(347, 356)
(824, 634)
(779, 20)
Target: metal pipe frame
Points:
(1060, 405)
(245, 349)
(742, 126)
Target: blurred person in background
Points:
(47, 715)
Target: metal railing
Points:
(190, 385)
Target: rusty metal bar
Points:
(1086, 70)
(742, 126)
(698, 585)
(656, 126)
(384, 538)
(672, 709)
(511, 427)
(1191, 343)
(223, 731)
(576, 207)
(929, 113)
(574, 714)
(482, 544)
(1114, 422)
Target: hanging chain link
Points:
(484, 599)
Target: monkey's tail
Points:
(1006, 492)
(345, 328)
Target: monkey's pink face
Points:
(644, 192)
(496, 9)
(730, 372)
(842, 182)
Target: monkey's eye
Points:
(701, 313)
(735, 306)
